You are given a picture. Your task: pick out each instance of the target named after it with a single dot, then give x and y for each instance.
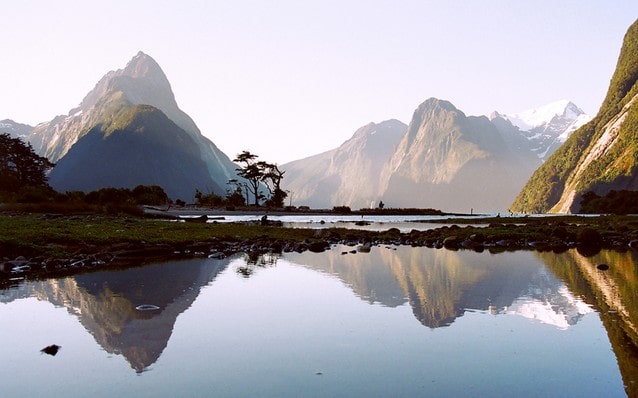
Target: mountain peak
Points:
(545, 127)
(391, 126)
(143, 66)
(535, 117)
(142, 81)
(433, 103)
(433, 107)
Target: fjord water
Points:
(396, 321)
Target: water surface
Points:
(393, 322)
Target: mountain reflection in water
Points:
(441, 285)
(614, 293)
(436, 286)
(105, 304)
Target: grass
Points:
(37, 234)
(58, 236)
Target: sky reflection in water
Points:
(393, 322)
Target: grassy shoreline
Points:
(47, 234)
(49, 243)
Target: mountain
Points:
(105, 304)
(449, 161)
(443, 160)
(442, 285)
(600, 156)
(347, 175)
(15, 129)
(141, 146)
(106, 137)
(544, 128)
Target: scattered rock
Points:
(147, 307)
(51, 349)
(451, 242)
(589, 237)
(318, 246)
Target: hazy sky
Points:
(292, 78)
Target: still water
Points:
(404, 223)
(398, 322)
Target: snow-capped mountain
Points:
(547, 127)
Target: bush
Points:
(589, 237)
(150, 195)
(614, 202)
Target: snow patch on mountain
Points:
(547, 127)
(536, 117)
(561, 310)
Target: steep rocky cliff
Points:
(449, 161)
(600, 156)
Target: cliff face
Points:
(600, 156)
(452, 162)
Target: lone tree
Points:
(251, 172)
(20, 166)
(257, 172)
(272, 178)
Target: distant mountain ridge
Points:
(443, 159)
(600, 156)
(14, 129)
(450, 161)
(547, 127)
(181, 159)
(348, 174)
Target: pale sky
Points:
(287, 79)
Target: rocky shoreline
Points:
(556, 236)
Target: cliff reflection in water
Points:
(614, 293)
(440, 285)
(105, 304)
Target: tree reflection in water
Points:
(254, 260)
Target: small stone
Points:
(51, 350)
